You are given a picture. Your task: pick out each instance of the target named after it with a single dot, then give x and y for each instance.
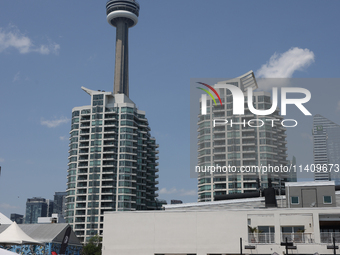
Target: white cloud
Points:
(2, 160)
(181, 192)
(191, 192)
(285, 64)
(13, 38)
(16, 77)
(54, 123)
(8, 206)
(62, 138)
(338, 107)
(47, 49)
(165, 191)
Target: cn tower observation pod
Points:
(118, 9)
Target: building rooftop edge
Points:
(313, 183)
(261, 209)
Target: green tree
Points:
(94, 246)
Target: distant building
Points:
(333, 152)
(160, 203)
(59, 206)
(50, 206)
(55, 218)
(326, 148)
(293, 177)
(18, 218)
(174, 202)
(36, 207)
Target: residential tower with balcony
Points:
(252, 141)
(112, 162)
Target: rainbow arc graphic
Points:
(209, 93)
(204, 98)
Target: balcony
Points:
(85, 131)
(297, 237)
(81, 151)
(85, 124)
(327, 237)
(261, 238)
(111, 123)
(84, 144)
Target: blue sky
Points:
(49, 49)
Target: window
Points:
(295, 200)
(74, 126)
(99, 102)
(93, 190)
(234, 185)
(95, 143)
(96, 136)
(126, 123)
(87, 111)
(266, 229)
(97, 109)
(126, 130)
(96, 129)
(93, 204)
(76, 113)
(75, 120)
(96, 149)
(127, 109)
(98, 97)
(293, 229)
(97, 122)
(97, 116)
(327, 199)
(92, 219)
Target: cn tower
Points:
(122, 14)
(107, 169)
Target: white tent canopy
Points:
(14, 235)
(4, 219)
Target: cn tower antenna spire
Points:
(122, 14)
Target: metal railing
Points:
(297, 237)
(327, 237)
(261, 238)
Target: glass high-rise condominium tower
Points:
(112, 162)
(239, 145)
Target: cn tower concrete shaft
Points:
(121, 76)
(122, 14)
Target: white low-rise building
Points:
(55, 218)
(220, 227)
(219, 232)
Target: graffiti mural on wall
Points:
(46, 249)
